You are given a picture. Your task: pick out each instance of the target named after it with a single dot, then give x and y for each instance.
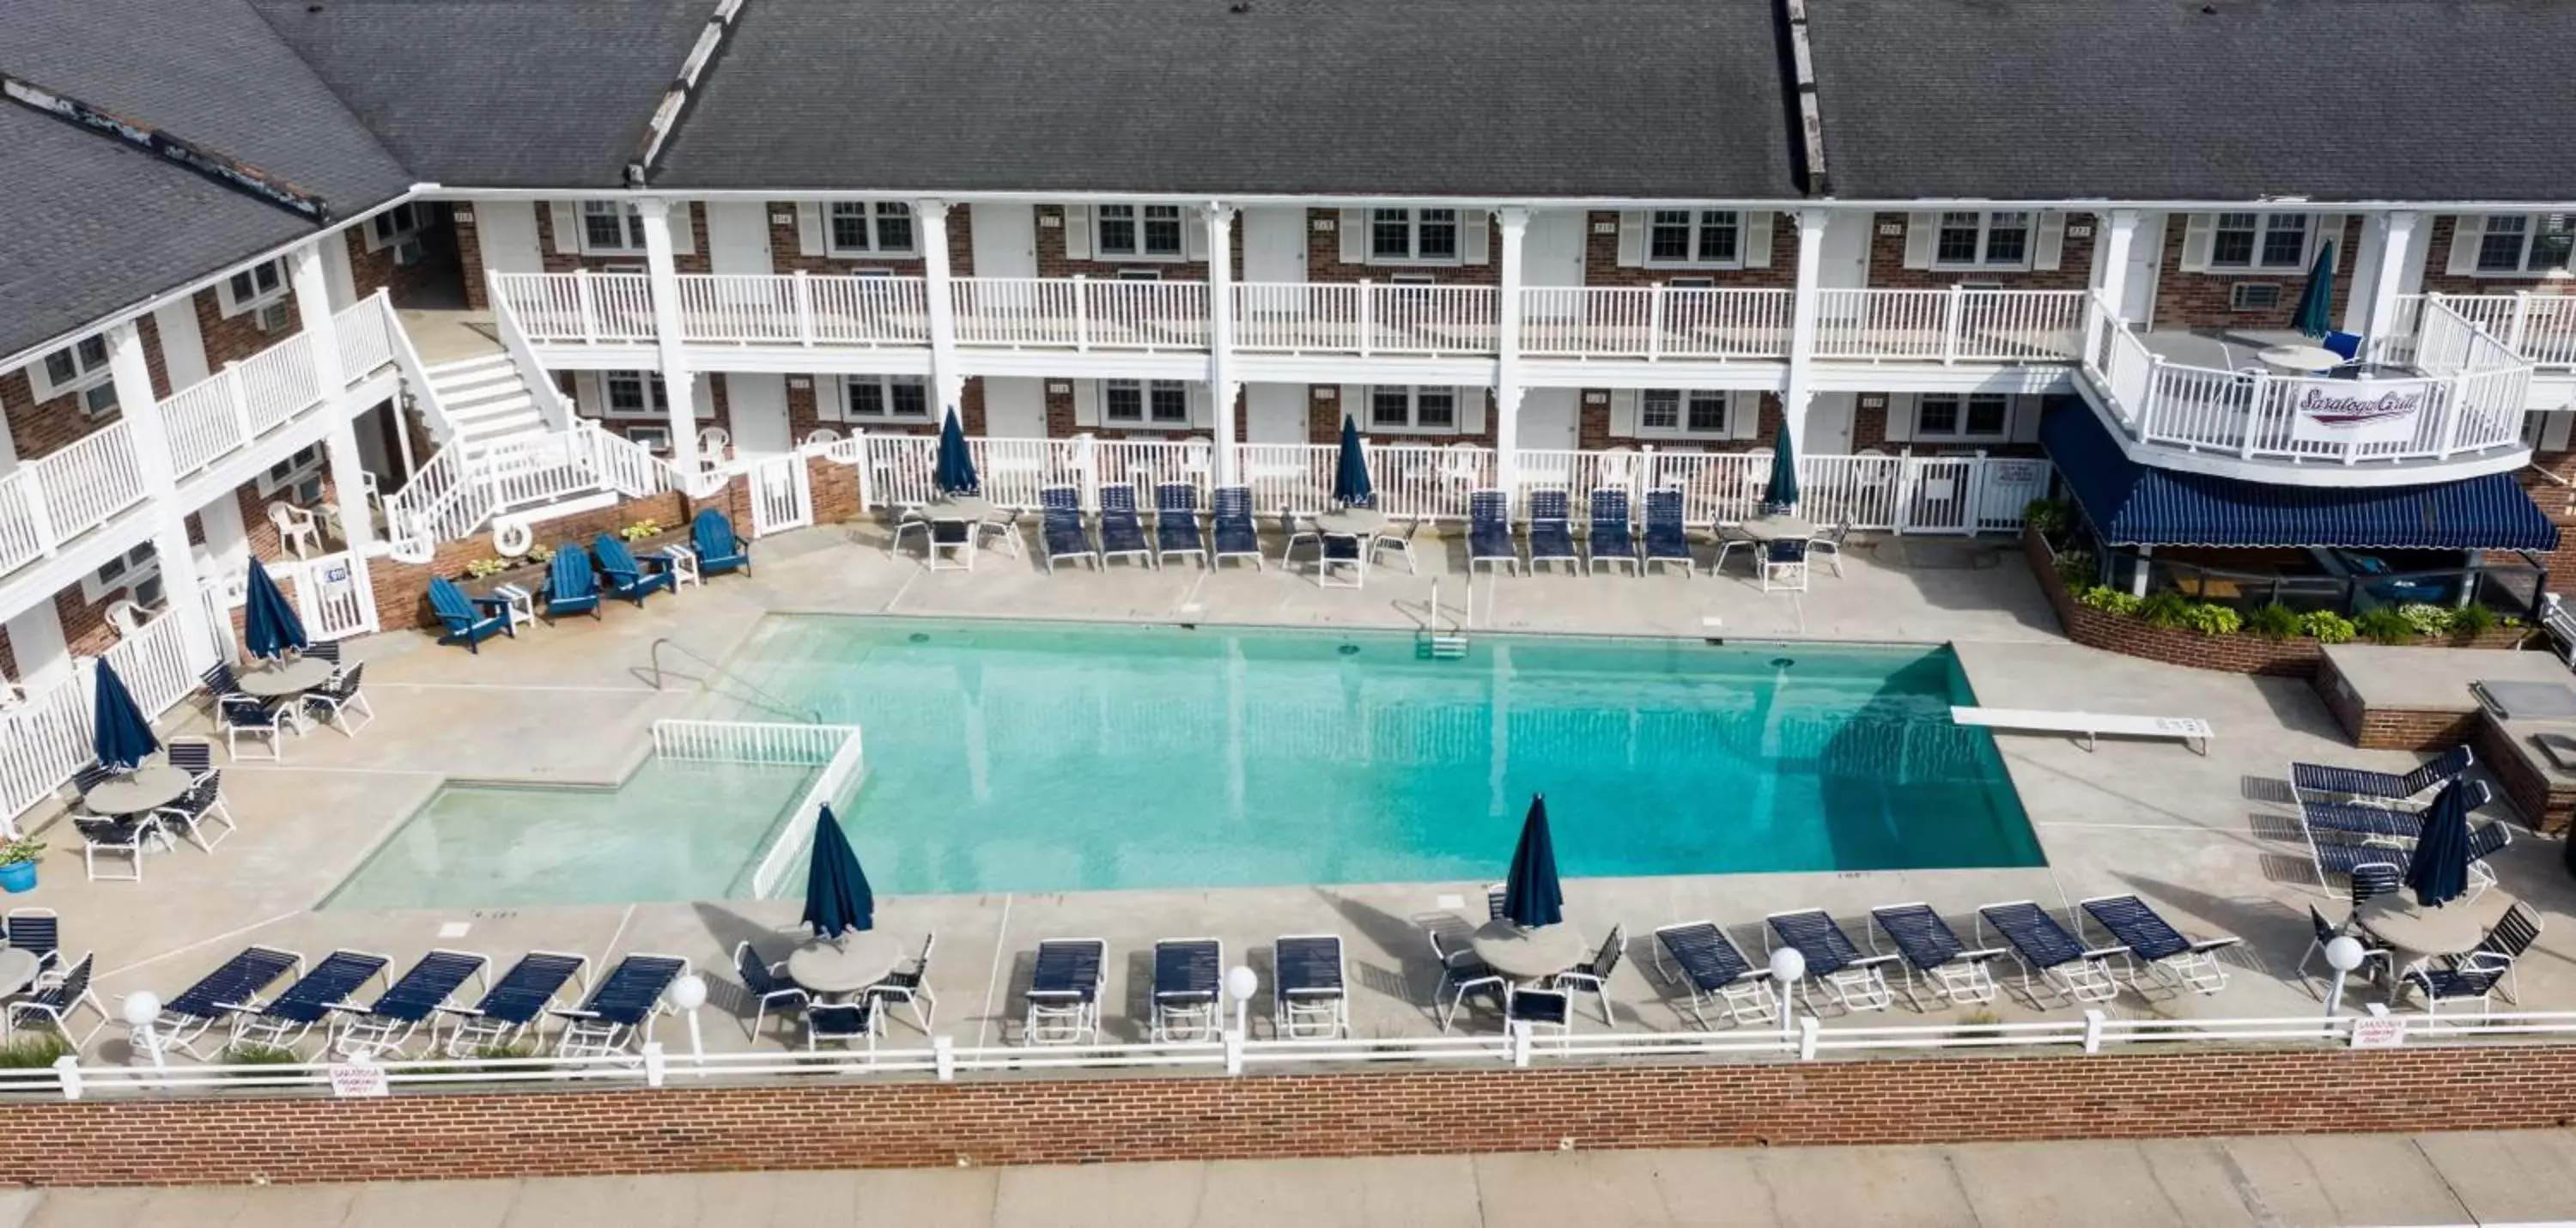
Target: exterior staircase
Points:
(486, 402)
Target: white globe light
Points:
(689, 992)
(142, 1007)
(2345, 953)
(1787, 965)
(1242, 982)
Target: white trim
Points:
(102, 375)
(1684, 401)
(2265, 225)
(409, 219)
(836, 407)
(1696, 225)
(1140, 218)
(876, 215)
(2002, 433)
(585, 210)
(2471, 240)
(270, 481)
(132, 575)
(1414, 395)
(1413, 223)
(1148, 393)
(1986, 233)
(233, 302)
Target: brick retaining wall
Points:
(2424, 730)
(823, 1122)
(2550, 808)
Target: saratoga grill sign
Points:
(2357, 411)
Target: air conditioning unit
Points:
(626, 268)
(2253, 296)
(409, 252)
(275, 317)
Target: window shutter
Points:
(587, 395)
(2049, 245)
(1632, 239)
(1086, 396)
(1077, 232)
(2467, 233)
(809, 228)
(2324, 228)
(1623, 413)
(1194, 234)
(1744, 414)
(2197, 230)
(1354, 235)
(1475, 235)
(1900, 418)
(1471, 409)
(1757, 238)
(2024, 425)
(684, 228)
(566, 216)
(1921, 230)
(1354, 398)
(1202, 406)
(2553, 431)
(831, 398)
(702, 401)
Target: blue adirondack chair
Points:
(469, 620)
(571, 588)
(718, 549)
(626, 577)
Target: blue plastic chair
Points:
(1489, 531)
(1551, 531)
(1122, 529)
(1230, 516)
(1060, 523)
(2345, 345)
(468, 620)
(626, 577)
(622, 1009)
(571, 586)
(520, 998)
(215, 996)
(719, 550)
(1667, 537)
(310, 1000)
(1610, 540)
(1176, 522)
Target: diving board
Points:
(2092, 725)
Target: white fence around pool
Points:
(46, 738)
(834, 748)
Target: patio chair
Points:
(2363, 782)
(1497, 899)
(1188, 1004)
(326, 650)
(844, 1022)
(121, 837)
(952, 540)
(467, 620)
(1230, 520)
(766, 984)
(424, 990)
(249, 716)
(36, 931)
(621, 1009)
(2322, 931)
(519, 1000)
(1307, 999)
(1064, 991)
(1856, 982)
(2514, 933)
(1398, 540)
(219, 680)
(89, 776)
(197, 809)
(1060, 524)
(719, 549)
(910, 984)
(2472, 979)
(1830, 544)
(1934, 954)
(2375, 869)
(1593, 976)
(334, 701)
(572, 586)
(1345, 553)
(2044, 949)
(195, 756)
(1713, 971)
(218, 994)
(2184, 963)
(1176, 522)
(2485, 841)
(1540, 1010)
(2361, 819)
(1784, 566)
(1609, 538)
(1489, 531)
(629, 577)
(1551, 532)
(1462, 974)
(1667, 536)
(53, 999)
(1291, 537)
(286, 1018)
(1122, 530)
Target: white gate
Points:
(1936, 495)
(781, 496)
(2006, 485)
(335, 597)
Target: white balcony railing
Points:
(1081, 313)
(1948, 326)
(44, 740)
(1655, 322)
(802, 309)
(1364, 318)
(582, 306)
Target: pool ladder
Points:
(1442, 638)
(765, 699)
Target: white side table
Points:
(684, 566)
(521, 605)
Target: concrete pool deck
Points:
(2199, 836)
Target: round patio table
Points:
(279, 679)
(148, 788)
(959, 507)
(17, 970)
(1779, 528)
(1526, 954)
(846, 964)
(2300, 358)
(2415, 934)
(1351, 521)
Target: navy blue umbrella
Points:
(1350, 469)
(269, 624)
(1531, 896)
(837, 899)
(1784, 474)
(118, 731)
(2439, 870)
(2316, 303)
(956, 473)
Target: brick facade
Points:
(1053, 262)
(402, 589)
(2422, 730)
(1887, 271)
(554, 261)
(1601, 265)
(371, 269)
(2548, 806)
(2200, 300)
(1324, 256)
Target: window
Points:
(1144, 232)
(877, 398)
(137, 570)
(1159, 401)
(1693, 237)
(1430, 409)
(634, 394)
(299, 474)
(611, 226)
(80, 367)
(871, 228)
(1668, 411)
(1983, 240)
(2515, 243)
(1982, 415)
(397, 224)
(253, 287)
(1427, 235)
(2258, 241)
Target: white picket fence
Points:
(46, 739)
(835, 748)
(333, 595)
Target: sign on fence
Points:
(2379, 1031)
(358, 1080)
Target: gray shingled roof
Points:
(2156, 99)
(1640, 98)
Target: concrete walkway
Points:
(2351, 1180)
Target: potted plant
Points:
(18, 864)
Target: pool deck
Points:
(2199, 836)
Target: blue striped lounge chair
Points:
(1854, 981)
(1551, 530)
(1934, 955)
(415, 998)
(1060, 524)
(216, 996)
(516, 1002)
(467, 620)
(571, 586)
(622, 1009)
(36, 931)
(2044, 949)
(719, 550)
(1063, 1001)
(1610, 539)
(311, 999)
(1699, 957)
(2183, 963)
(1307, 995)
(1122, 528)
(629, 577)
(1230, 518)
(1176, 522)
(1667, 537)
(54, 1000)
(2472, 979)
(2384, 786)
(1188, 991)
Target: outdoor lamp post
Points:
(142, 1009)
(689, 993)
(1788, 967)
(2343, 954)
(1240, 984)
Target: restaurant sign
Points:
(2355, 411)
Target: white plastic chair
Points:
(297, 530)
(714, 444)
(126, 617)
(821, 435)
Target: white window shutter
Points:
(1744, 414)
(587, 396)
(2467, 233)
(702, 401)
(1471, 409)
(2323, 228)
(831, 398)
(2048, 247)
(2198, 230)
(1194, 234)
(1202, 407)
(1632, 239)
(1475, 235)
(2553, 430)
(684, 228)
(1077, 232)
(1623, 413)
(1757, 239)
(1921, 231)
(1900, 418)
(809, 228)
(1086, 399)
(1354, 236)
(1354, 398)
(566, 220)
(2024, 425)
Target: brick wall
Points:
(2199, 300)
(41, 428)
(234, 338)
(371, 270)
(1887, 269)
(2416, 729)
(469, 255)
(1052, 262)
(2549, 807)
(1324, 257)
(553, 261)
(402, 589)
(2550, 480)
(1601, 258)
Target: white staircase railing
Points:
(523, 355)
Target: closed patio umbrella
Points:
(269, 624)
(2439, 870)
(837, 898)
(1531, 895)
(1350, 469)
(956, 471)
(1783, 490)
(2316, 303)
(119, 734)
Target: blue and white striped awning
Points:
(2133, 505)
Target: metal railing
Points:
(813, 717)
(1952, 325)
(1655, 322)
(1364, 318)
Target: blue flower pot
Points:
(18, 876)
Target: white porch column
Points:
(1507, 352)
(2395, 251)
(141, 409)
(36, 642)
(1802, 325)
(679, 384)
(1223, 388)
(310, 271)
(946, 381)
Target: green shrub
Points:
(2475, 619)
(34, 1049)
(2385, 625)
(2075, 567)
(2212, 619)
(2048, 517)
(252, 1053)
(2274, 622)
(2426, 619)
(2107, 599)
(2328, 627)
(480, 568)
(2166, 608)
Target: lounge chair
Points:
(2384, 864)
(518, 1000)
(2360, 819)
(766, 984)
(2184, 963)
(572, 586)
(1291, 537)
(910, 984)
(1714, 971)
(198, 809)
(36, 931)
(468, 620)
(719, 549)
(1593, 976)
(219, 680)
(286, 1018)
(1539, 1010)
(2472, 979)
(1400, 540)
(1122, 530)
(1189, 975)
(2363, 782)
(1176, 522)
(1463, 974)
(249, 716)
(1667, 536)
(2191, 730)
(1489, 531)
(2323, 931)
(1854, 981)
(54, 999)
(1060, 524)
(627, 576)
(1610, 539)
(216, 996)
(1934, 954)
(1230, 521)
(417, 997)
(1064, 991)
(621, 1009)
(1551, 532)
(2044, 949)
(844, 1022)
(1307, 998)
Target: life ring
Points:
(512, 538)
